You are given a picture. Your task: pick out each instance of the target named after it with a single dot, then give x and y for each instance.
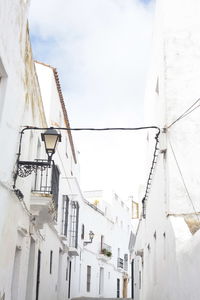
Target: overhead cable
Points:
(187, 112)
(183, 181)
(113, 129)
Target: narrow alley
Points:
(114, 214)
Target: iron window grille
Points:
(120, 262)
(65, 214)
(83, 232)
(55, 184)
(74, 219)
(126, 262)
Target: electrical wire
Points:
(187, 112)
(106, 129)
(148, 185)
(183, 180)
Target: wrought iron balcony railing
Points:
(120, 262)
(46, 180)
(43, 179)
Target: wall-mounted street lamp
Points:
(91, 236)
(50, 138)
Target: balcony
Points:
(105, 252)
(120, 263)
(44, 197)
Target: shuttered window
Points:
(74, 220)
(55, 184)
(65, 214)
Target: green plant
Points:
(109, 254)
(106, 252)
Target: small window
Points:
(157, 86)
(88, 278)
(102, 241)
(65, 214)
(135, 210)
(51, 261)
(140, 280)
(82, 231)
(74, 218)
(118, 252)
(67, 269)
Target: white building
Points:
(103, 266)
(44, 218)
(34, 256)
(166, 254)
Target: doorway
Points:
(38, 275)
(118, 287)
(101, 281)
(132, 279)
(70, 273)
(30, 277)
(15, 274)
(125, 287)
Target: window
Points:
(74, 218)
(102, 241)
(140, 280)
(67, 269)
(126, 262)
(135, 210)
(55, 184)
(82, 231)
(88, 278)
(157, 86)
(51, 260)
(65, 213)
(118, 252)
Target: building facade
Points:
(45, 219)
(103, 266)
(167, 243)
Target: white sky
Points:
(101, 49)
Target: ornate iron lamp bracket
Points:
(25, 168)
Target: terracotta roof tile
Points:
(63, 106)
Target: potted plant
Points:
(109, 254)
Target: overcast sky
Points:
(101, 49)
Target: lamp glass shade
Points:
(91, 235)
(50, 138)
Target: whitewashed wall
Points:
(171, 265)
